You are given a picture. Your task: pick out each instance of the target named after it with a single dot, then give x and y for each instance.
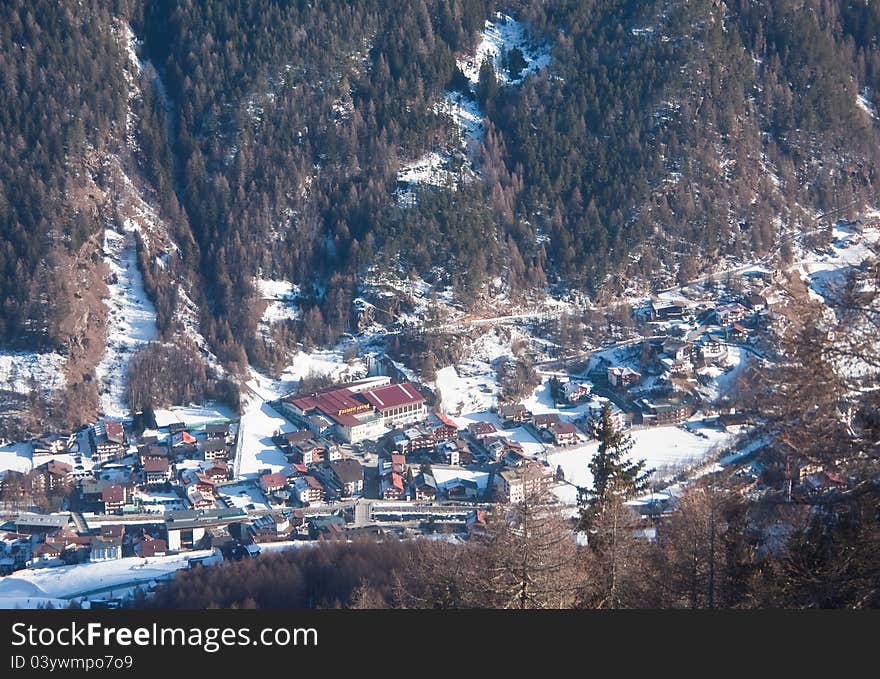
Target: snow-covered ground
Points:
(280, 297)
(66, 582)
(17, 457)
(663, 449)
(499, 37)
(256, 451)
(20, 370)
(863, 101)
(330, 362)
(825, 273)
(131, 319)
(466, 388)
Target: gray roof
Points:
(194, 518)
(43, 520)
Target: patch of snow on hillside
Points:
(280, 296)
(20, 369)
(500, 37)
(131, 318)
(863, 101)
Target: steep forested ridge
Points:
(272, 138)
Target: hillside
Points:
(236, 176)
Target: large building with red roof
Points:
(360, 410)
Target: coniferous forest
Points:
(270, 134)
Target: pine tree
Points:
(614, 474)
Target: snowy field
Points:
(19, 370)
(663, 448)
(65, 582)
(131, 320)
(280, 297)
(193, 416)
(256, 451)
(466, 388)
(16, 457)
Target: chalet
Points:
(199, 499)
(274, 526)
(666, 311)
(45, 554)
(515, 413)
(710, 350)
(623, 377)
(444, 428)
(515, 485)
(218, 472)
(677, 350)
(106, 451)
(115, 432)
(49, 445)
(308, 490)
(564, 433)
(53, 475)
(114, 497)
(663, 410)
(217, 431)
(513, 458)
(214, 449)
(156, 472)
(451, 450)
(756, 301)
(480, 430)
(463, 489)
(309, 452)
(292, 438)
(576, 391)
(326, 527)
(425, 487)
(545, 421)
(737, 333)
(152, 452)
(294, 471)
(392, 487)
(730, 313)
(348, 474)
(475, 522)
(413, 440)
(183, 444)
(149, 546)
(269, 483)
(398, 464)
(176, 427)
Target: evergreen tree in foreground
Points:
(615, 476)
